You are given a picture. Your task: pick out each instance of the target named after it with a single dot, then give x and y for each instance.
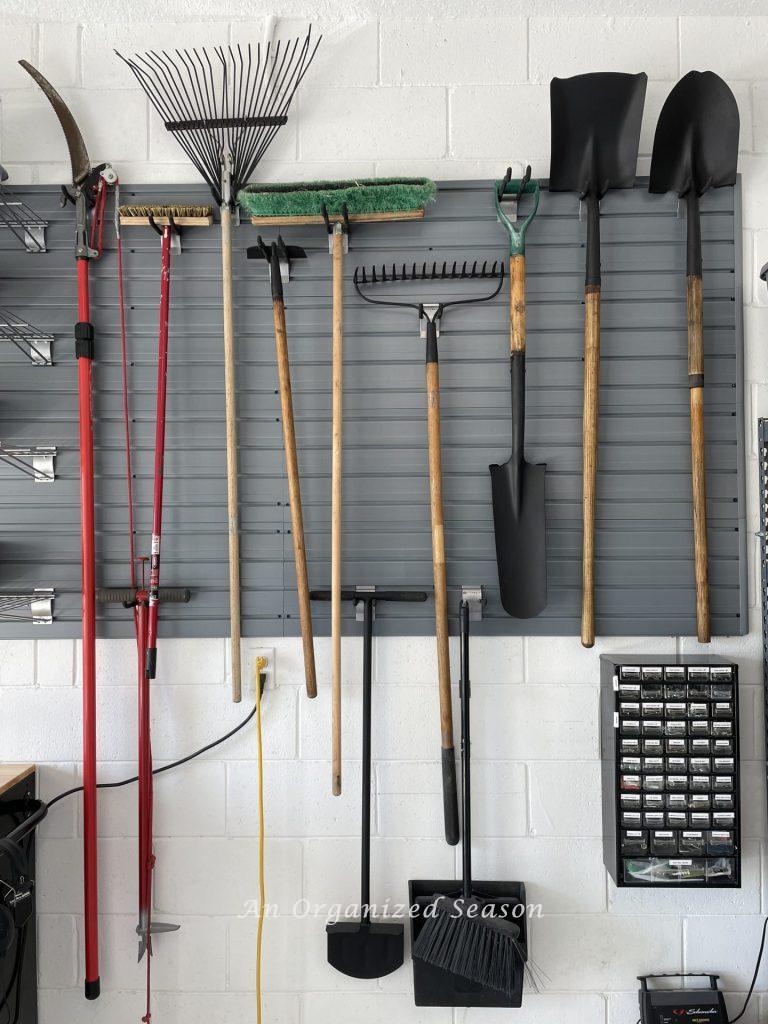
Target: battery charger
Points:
(682, 1006)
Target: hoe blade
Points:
(519, 525)
(365, 949)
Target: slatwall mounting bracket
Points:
(37, 604)
(36, 461)
(360, 605)
(475, 599)
(430, 313)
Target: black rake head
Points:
(446, 272)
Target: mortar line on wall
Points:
(378, 51)
(679, 27)
(527, 49)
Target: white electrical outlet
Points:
(256, 652)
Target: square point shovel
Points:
(595, 137)
(696, 148)
(517, 486)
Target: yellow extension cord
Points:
(261, 664)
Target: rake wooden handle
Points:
(294, 495)
(589, 463)
(517, 304)
(231, 427)
(698, 473)
(450, 792)
(336, 502)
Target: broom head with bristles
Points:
(360, 196)
(464, 937)
(180, 212)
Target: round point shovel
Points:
(517, 486)
(696, 148)
(595, 137)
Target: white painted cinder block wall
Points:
(449, 98)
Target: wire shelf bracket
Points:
(37, 461)
(20, 219)
(34, 343)
(35, 606)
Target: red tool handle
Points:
(157, 509)
(84, 352)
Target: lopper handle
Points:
(336, 500)
(450, 792)
(517, 304)
(294, 495)
(695, 303)
(230, 398)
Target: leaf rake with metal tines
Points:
(224, 107)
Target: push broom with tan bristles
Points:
(337, 205)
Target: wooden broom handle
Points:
(438, 553)
(517, 303)
(231, 426)
(589, 466)
(294, 495)
(698, 473)
(336, 503)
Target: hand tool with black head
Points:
(596, 122)
(696, 148)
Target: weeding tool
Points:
(90, 185)
(337, 205)
(367, 948)
(224, 108)
(277, 256)
(696, 148)
(595, 137)
(517, 486)
(430, 316)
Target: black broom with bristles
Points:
(468, 934)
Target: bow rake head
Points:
(397, 273)
(507, 195)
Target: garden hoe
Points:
(595, 137)
(517, 486)
(696, 148)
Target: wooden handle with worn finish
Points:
(516, 304)
(336, 502)
(230, 399)
(438, 553)
(294, 496)
(589, 463)
(698, 471)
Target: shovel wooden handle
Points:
(294, 495)
(516, 304)
(698, 474)
(230, 393)
(589, 463)
(336, 503)
(450, 791)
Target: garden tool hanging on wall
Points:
(224, 108)
(695, 148)
(337, 205)
(596, 122)
(89, 196)
(517, 486)
(367, 948)
(437, 280)
(278, 256)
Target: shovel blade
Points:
(519, 523)
(595, 131)
(367, 949)
(696, 144)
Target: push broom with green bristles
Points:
(336, 205)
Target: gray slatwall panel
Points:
(645, 550)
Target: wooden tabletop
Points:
(11, 774)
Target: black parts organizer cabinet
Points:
(670, 769)
(645, 578)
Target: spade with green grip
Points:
(696, 148)
(517, 486)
